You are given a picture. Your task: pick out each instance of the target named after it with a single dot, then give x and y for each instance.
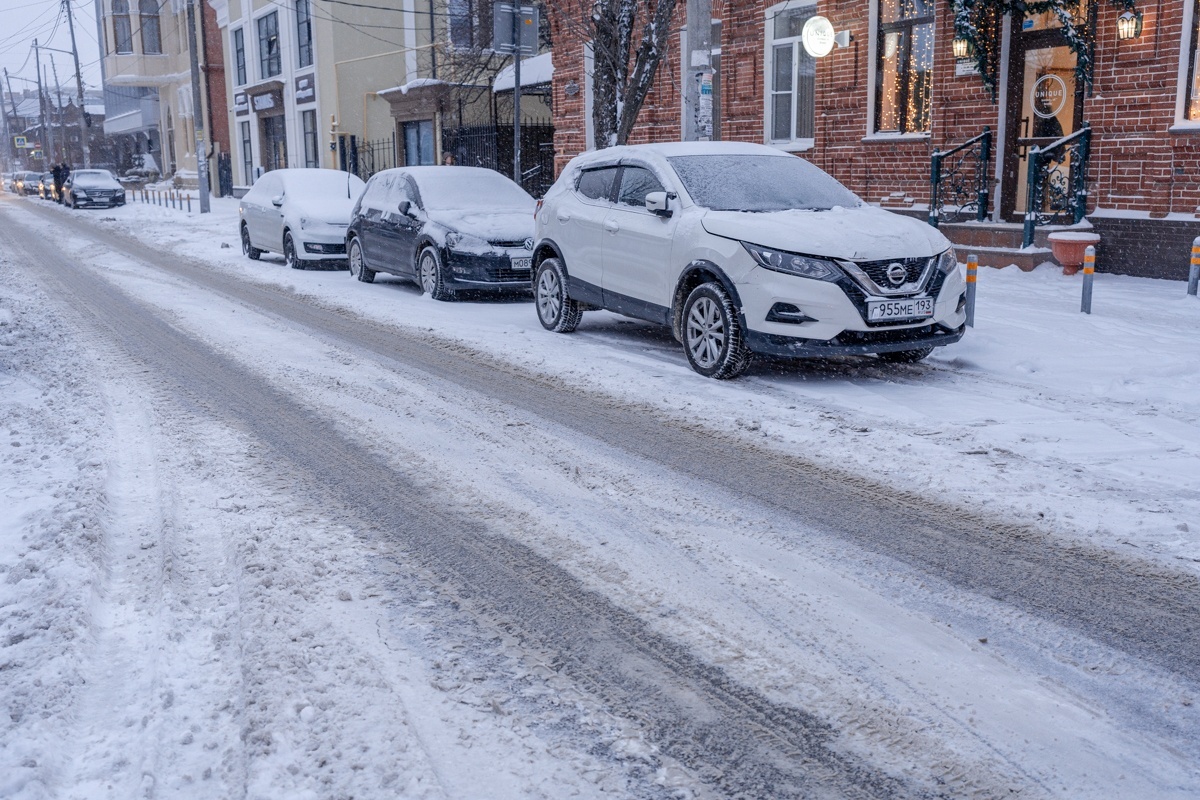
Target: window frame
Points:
(794, 143)
(874, 73)
(154, 28)
(312, 145)
(247, 152)
(265, 58)
(1189, 60)
(240, 73)
(120, 13)
(304, 37)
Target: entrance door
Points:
(1044, 104)
(274, 140)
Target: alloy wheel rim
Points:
(289, 252)
(355, 261)
(549, 302)
(705, 332)
(245, 242)
(428, 273)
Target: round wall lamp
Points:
(1129, 25)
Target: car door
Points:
(386, 227)
(636, 251)
(406, 228)
(260, 212)
(578, 227)
(370, 209)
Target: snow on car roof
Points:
(670, 149)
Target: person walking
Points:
(61, 173)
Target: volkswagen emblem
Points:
(528, 244)
(896, 273)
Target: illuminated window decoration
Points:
(904, 71)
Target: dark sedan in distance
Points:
(92, 187)
(446, 228)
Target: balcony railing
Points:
(959, 188)
(1056, 184)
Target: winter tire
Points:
(555, 309)
(905, 356)
(712, 335)
(289, 252)
(249, 250)
(358, 267)
(433, 281)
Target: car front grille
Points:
(516, 244)
(878, 270)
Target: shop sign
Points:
(306, 89)
(1048, 96)
(818, 36)
(264, 102)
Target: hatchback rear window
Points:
(759, 183)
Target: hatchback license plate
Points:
(908, 308)
(521, 263)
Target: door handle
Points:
(611, 226)
(563, 216)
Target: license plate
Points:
(522, 263)
(908, 308)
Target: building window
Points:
(151, 36)
(792, 76)
(304, 33)
(239, 56)
(312, 155)
(122, 31)
(269, 62)
(1191, 103)
(904, 66)
(418, 143)
(247, 155)
(470, 24)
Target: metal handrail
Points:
(1035, 184)
(984, 140)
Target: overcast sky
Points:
(22, 21)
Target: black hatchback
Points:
(446, 228)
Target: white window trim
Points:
(1185, 59)
(281, 22)
(793, 145)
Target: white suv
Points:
(741, 249)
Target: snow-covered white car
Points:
(742, 249)
(446, 228)
(301, 213)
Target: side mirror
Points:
(405, 207)
(659, 203)
(277, 200)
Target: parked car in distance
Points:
(742, 249)
(46, 186)
(300, 213)
(26, 183)
(92, 187)
(6, 181)
(447, 228)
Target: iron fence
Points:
(491, 147)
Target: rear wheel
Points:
(712, 335)
(289, 252)
(555, 309)
(358, 268)
(248, 250)
(905, 356)
(433, 281)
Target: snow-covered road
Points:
(337, 539)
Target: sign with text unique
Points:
(20, 142)
(817, 36)
(1048, 96)
(263, 102)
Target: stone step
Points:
(1023, 259)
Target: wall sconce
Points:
(963, 48)
(1129, 25)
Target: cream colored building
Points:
(145, 45)
(317, 83)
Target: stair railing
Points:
(1056, 182)
(963, 184)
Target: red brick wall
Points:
(1138, 164)
(214, 68)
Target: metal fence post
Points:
(1089, 269)
(1033, 197)
(189, 198)
(972, 274)
(1194, 272)
(985, 180)
(935, 177)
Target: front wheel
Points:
(289, 253)
(555, 309)
(905, 356)
(250, 251)
(358, 268)
(712, 334)
(433, 281)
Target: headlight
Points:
(453, 238)
(303, 223)
(792, 264)
(948, 261)
(80, 193)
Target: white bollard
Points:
(1089, 269)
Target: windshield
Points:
(759, 183)
(472, 190)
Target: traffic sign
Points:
(20, 142)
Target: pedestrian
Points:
(56, 173)
(448, 159)
(60, 178)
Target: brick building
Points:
(874, 111)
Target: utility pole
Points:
(83, 126)
(517, 54)
(201, 143)
(49, 128)
(697, 89)
(62, 130)
(37, 62)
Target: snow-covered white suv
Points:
(741, 249)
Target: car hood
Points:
(492, 226)
(865, 233)
(332, 210)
